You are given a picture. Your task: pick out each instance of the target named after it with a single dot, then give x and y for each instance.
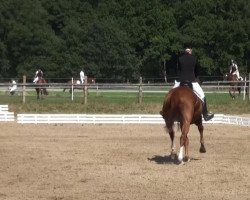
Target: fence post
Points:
(85, 89)
(24, 88)
(244, 88)
(140, 90)
(72, 89)
(249, 87)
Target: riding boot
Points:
(206, 115)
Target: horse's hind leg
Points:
(172, 134)
(231, 92)
(184, 142)
(201, 128)
(37, 94)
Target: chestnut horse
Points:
(183, 106)
(77, 84)
(234, 84)
(41, 88)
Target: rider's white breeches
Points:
(196, 88)
(35, 79)
(13, 88)
(82, 80)
(237, 73)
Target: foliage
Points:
(123, 39)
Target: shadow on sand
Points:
(164, 159)
(167, 159)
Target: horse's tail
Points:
(166, 106)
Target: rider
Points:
(82, 76)
(234, 70)
(39, 74)
(189, 67)
(13, 87)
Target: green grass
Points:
(110, 102)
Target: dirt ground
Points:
(94, 162)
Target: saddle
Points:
(186, 84)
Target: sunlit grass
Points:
(114, 102)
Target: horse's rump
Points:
(181, 103)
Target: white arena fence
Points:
(116, 119)
(5, 115)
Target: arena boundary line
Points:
(117, 119)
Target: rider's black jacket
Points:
(188, 67)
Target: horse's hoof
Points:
(173, 155)
(202, 149)
(181, 163)
(186, 159)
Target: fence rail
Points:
(5, 115)
(140, 88)
(4, 108)
(116, 119)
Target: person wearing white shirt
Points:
(82, 76)
(13, 87)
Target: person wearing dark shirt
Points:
(189, 71)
